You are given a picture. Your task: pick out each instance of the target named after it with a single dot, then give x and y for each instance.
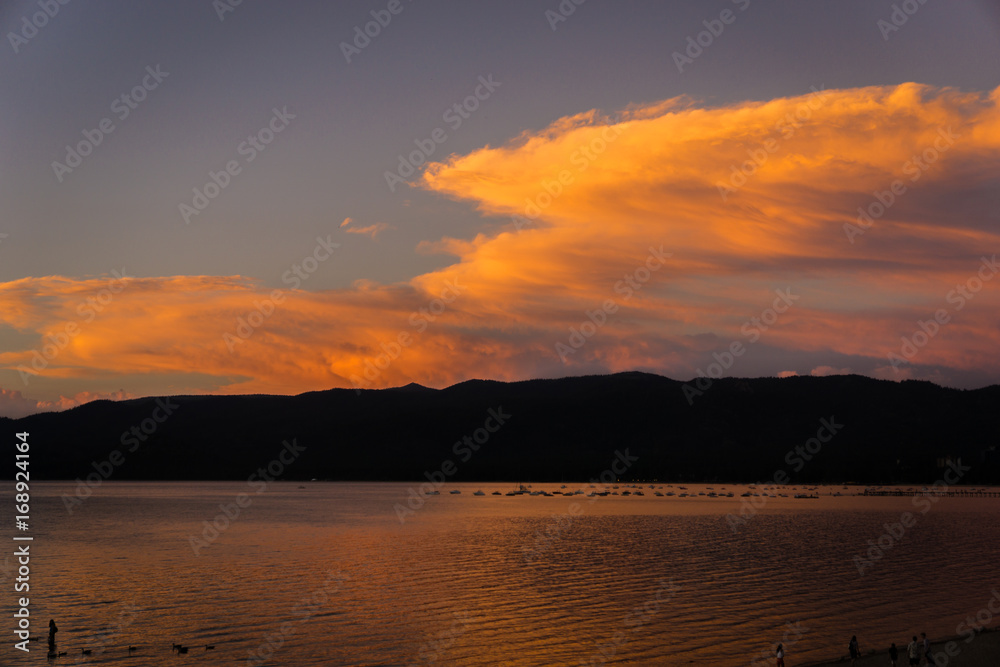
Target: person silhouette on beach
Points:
(913, 650)
(927, 650)
(52, 634)
(780, 655)
(855, 649)
(893, 654)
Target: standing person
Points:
(52, 634)
(854, 649)
(913, 650)
(927, 650)
(780, 655)
(893, 654)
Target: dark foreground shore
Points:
(982, 651)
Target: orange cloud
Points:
(736, 201)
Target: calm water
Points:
(327, 575)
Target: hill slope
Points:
(559, 429)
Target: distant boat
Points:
(496, 493)
(454, 492)
(479, 492)
(434, 493)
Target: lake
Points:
(328, 574)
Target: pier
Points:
(950, 493)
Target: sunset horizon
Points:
(576, 265)
(531, 333)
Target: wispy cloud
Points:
(370, 230)
(14, 404)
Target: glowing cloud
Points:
(876, 206)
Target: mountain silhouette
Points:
(562, 429)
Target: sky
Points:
(213, 198)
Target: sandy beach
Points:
(983, 651)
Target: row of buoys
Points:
(53, 653)
(86, 651)
(131, 649)
(184, 649)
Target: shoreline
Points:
(982, 651)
